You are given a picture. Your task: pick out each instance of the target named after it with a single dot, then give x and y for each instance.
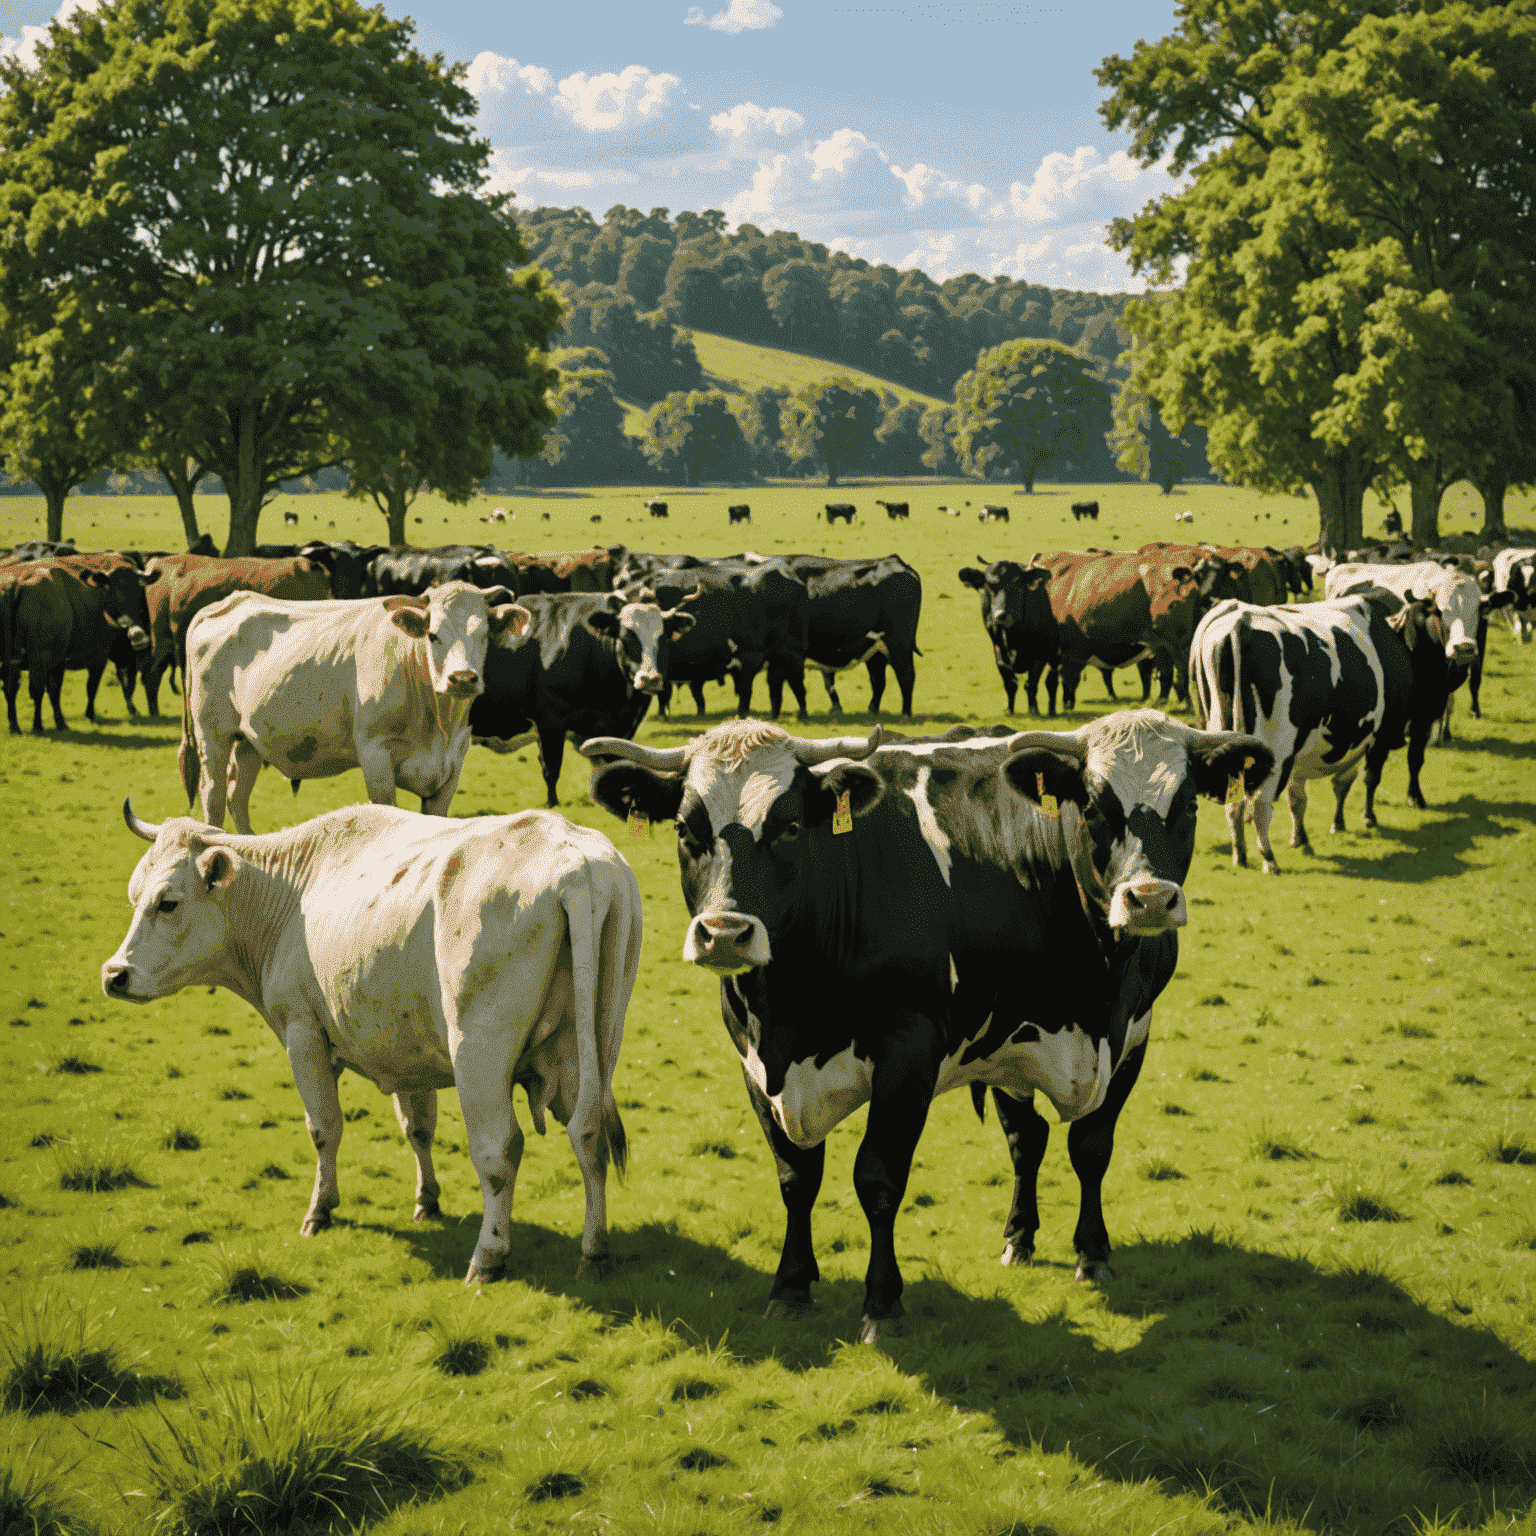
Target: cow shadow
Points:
(1439, 847)
(118, 735)
(1499, 746)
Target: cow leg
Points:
(1032, 686)
(876, 669)
(417, 1114)
(905, 1073)
(53, 681)
(378, 770)
(795, 677)
(775, 691)
(663, 701)
(213, 757)
(1090, 1145)
(438, 804)
(1263, 809)
(1341, 789)
(551, 755)
(12, 673)
(697, 690)
(1027, 1133)
(1011, 687)
(906, 680)
(244, 771)
(830, 679)
(1165, 682)
(1296, 798)
(1181, 678)
(1051, 677)
(1107, 673)
(309, 1056)
(1144, 670)
(127, 676)
(1418, 739)
(93, 676)
(800, 1171)
(1236, 813)
(483, 1072)
(746, 675)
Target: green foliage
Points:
(649, 356)
(1025, 404)
(832, 426)
(692, 438)
(95, 1168)
(30, 1485)
(588, 441)
(1144, 447)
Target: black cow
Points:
(1016, 610)
(840, 509)
(290, 519)
(655, 508)
(403, 570)
(895, 509)
(1082, 509)
(992, 512)
(888, 928)
(587, 662)
(739, 514)
(1392, 524)
(347, 564)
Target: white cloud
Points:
(748, 125)
(738, 16)
(924, 184)
(32, 38)
(1082, 183)
(833, 156)
(491, 73)
(604, 103)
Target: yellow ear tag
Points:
(1048, 803)
(639, 826)
(842, 817)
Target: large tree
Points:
(1025, 404)
(244, 183)
(1143, 446)
(693, 437)
(832, 425)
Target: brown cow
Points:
(67, 614)
(1264, 580)
(572, 570)
(193, 582)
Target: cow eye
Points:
(787, 833)
(690, 843)
(434, 636)
(168, 905)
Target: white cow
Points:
(422, 953)
(1514, 571)
(1455, 594)
(313, 689)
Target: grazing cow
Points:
(1514, 571)
(840, 509)
(950, 511)
(1082, 509)
(742, 513)
(992, 512)
(1016, 612)
(405, 571)
(422, 954)
(1298, 569)
(69, 613)
(656, 508)
(890, 924)
(587, 665)
(566, 570)
(290, 519)
(499, 515)
(895, 509)
(314, 689)
(1326, 686)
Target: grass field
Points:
(1323, 1309)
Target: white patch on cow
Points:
(738, 770)
(933, 834)
(815, 1100)
(1455, 594)
(644, 621)
(954, 975)
(1066, 1066)
(1136, 1033)
(1143, 760)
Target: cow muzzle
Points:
(727, 943)
(464, 684)
(1463, 654)
(649, 682)
(117, 981)
(1147, 906)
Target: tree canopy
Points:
(832, 425)
(693, 437)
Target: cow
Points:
(1183, 517)
(69, 613)
(1016, 613)
(741, 513)
(1298, 569)
(1514, 571)
(1326, 686)
(992, 512)
(499, 515)
(840, 509)
(290, 519)
(656, 508)
(1254, 575)
(313, 689)
(1082, 509)
(346, 563)
(421, 954)
(38, 549)
(403, 570)
(587, 665)
(191, 583)
(895, 509)
(888, 923)
(1392, 524)
(950, 511)
(565, 570)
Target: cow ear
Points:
(1498, 600)
(510, 617)
(1215, 763)
(217, 868)
(861, 783)
(623, 789)
(971, 577)
(1036, 576)
(604, 624)
(496, 596)
(1039, 771)
(681, 624)
(149, 578)
(94, 578)
(412, 620)
(1182, 573)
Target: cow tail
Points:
(187, 758)
(577, 899)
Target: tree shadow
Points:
(545, 493)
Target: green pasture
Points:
(1322, 1315)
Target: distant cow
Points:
(950, 511)
(346, 563)
(499, 515)
(739, 514)
(1325, 686)
(421, 954)
(895, 509)
(656, 508)
(314, 689)
(1183, 517)
(840, 509)
(992, 512)
(1392, 524)
(1082, 509)
(290, 519)
(38, 549)
(1016, 613)
(1514, 571)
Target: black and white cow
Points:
(992, 512)
(1325, 686)
(890, 924)
(1514, 571)
(1016, 610)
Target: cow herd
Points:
(888, 917)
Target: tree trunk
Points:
(1340, 491)
(395, 505)
(1425, 490)
(245, 493)
(182, 483)
(831, 475)
(55, 492)
(1491, 487)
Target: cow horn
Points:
(692, 597)
(1056, 741)
(810, 752)
(658, 759)
(647, 595)
(145, 829)
(982, 559)
(496, 596)
(405, 600)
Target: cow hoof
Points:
(1014, 1254)
(1369, 822)
(782, 1310)
(427, 1211)
(1270, 867)
(316, 1221)
(875, 1330)
(478, 1276)
(1418, 802)
(1091, 1270)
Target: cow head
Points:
(742, 795)
(1127, 787)
(457, 622)
(1461, 607)
(643, 633)
(1013, 597)
(179, 892)
(122, 599)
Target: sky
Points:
(954, 136)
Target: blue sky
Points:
(955, 136)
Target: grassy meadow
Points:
(1322, 1315)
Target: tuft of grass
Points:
(1176, 1109)
(275, 1171)
(265, 1458)
(1158, 1169)
(555, 1485)
(234, 1280)
(1453, 1176)
(230, 1094)
(691, 1389)
(94, 1170)
(1510, 1147)
(44, 1139)
(1468, 1080)
(1357, 1203)
(1213, 1000)
(178, 1138)
(713, 1147)
(1480, 1442)
(54, 1360)
(460, 1354)
(1276, 1146)
(94, 1256)
(29, 1484)
(1525, 1239)
(700, 1458)
(1415, 1031)
(72, 1064)
(586, 1388)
